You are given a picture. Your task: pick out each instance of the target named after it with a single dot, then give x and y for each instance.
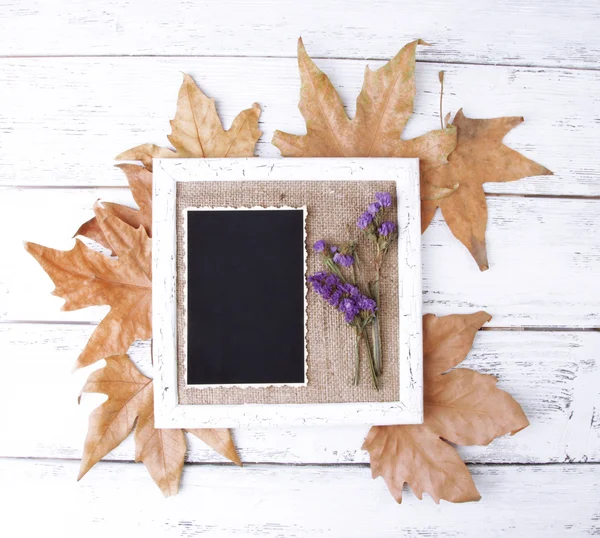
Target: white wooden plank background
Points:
(112, 104)
(82, 81)
(293, 501)
(552, 33)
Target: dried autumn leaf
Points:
(140, 183)
(461, 406)
(130, 397)
(383, 107)
(84, 277)
(197, 131)
(479, 157)
(220, 440)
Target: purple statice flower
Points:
(374, 208)
(350, 289)
(349, 308)
(384, 198)
(364, 220)
(366, 303)
(332, 280)
(344, 296)
(333, 248)
(387, 228)
(335, 298)
(319, 246)
(345, 260)
(326, 285)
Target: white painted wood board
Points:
(544, 255)
(119, 499)
(554, 375)
(554, 33)
(76, 114)
(63, 119)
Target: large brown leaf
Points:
(461, 406)
(479, 157)
(383, 108)
(130, 397)
(140, 183)
(84, 277)
(197, 131)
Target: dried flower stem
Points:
(375, 326)
(357, 358)
(361, 334)
(333, 267)
(371, 360)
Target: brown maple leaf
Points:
(197, 131)
(140, 183)
(84, 277)
(462, 406)
(479, 157)
(130, 397)
(383, 108)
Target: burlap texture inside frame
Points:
(332, 209)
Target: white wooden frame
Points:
(168, 412)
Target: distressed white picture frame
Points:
(169, 413)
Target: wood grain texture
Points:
(553, 375)
(544, 256)
(266, 501)
(62, 120)
(79, 114)
(555, 33)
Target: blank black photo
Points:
(245, 296)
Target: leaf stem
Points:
(441, 77)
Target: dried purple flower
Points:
(374, 208)
(350, 289)
(319, 246)
(387, 228)
(345, 260)
(349, 308)
(346, 297)
(335, 298)
(333, 248)
(384, 198)
(364, 220)
(366, 303)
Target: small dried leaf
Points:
(417, 456)
(130, 397)
(197, 131)
(140, 183)
(466, 408)
(219, 440)
(462, 406)
(161, 450)
(479, 157)
(447, 340)
(145, 153)
(85, 278)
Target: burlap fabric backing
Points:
(333, 207)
